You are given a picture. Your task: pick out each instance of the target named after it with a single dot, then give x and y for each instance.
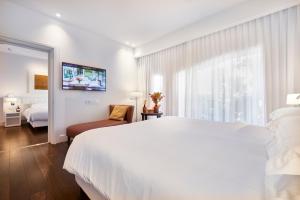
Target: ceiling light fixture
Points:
(133, 45)
(58, 15)
(127, 43)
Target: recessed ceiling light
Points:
(127, 43)
(133, 45)
(58, 15)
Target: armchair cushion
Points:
(129, 114)
(118, 113)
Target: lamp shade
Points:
(136, 94)
(293, 99)
(10, 99)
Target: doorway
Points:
(26, 93)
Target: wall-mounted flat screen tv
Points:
(79, 77)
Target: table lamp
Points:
(12, 100)
(293, 99)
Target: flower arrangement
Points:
(156, 98)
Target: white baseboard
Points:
(61, 138)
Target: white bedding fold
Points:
(171, 159)
(36, 114)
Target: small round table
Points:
(145, 115)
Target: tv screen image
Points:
(79, 77)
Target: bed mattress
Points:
(36, 114)
(172, 159)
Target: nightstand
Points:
(12, 119)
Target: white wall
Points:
(76, 46)
(16, 75)
(241, 13)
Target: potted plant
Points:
(156, 98)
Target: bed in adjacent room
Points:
(37, 115)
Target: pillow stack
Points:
(284, 151)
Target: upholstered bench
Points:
(74, 130)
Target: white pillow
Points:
(39, 105)
(286, 162)
(282, 187)
(288, 131)
(286, 157)
(283, 112)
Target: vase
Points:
(156, 108)
(144, 109)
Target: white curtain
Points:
(238, 74)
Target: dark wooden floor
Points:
(15, 137)
(33, 172)
(36, 173)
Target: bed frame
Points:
(87, 191)
(37, 124)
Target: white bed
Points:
(171, 159)
(37, 115)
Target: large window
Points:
(226, 88)
(241, 73)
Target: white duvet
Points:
(172, 159)
(37, 112)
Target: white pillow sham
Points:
(283, 187)
(288, 131)
(39, 105)
(284, 152)
(283, 112)
(284, 163)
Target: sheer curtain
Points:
(238, 74)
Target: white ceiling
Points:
(134, 21)
(11, 49)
